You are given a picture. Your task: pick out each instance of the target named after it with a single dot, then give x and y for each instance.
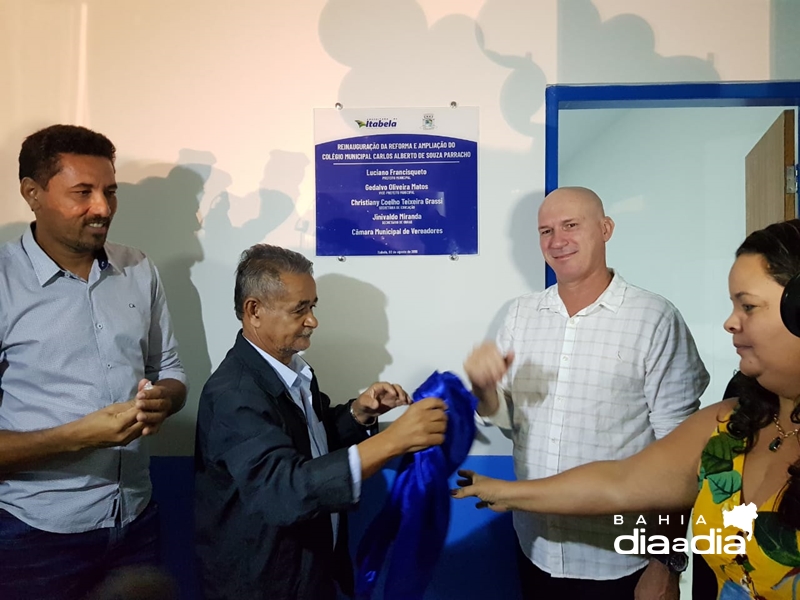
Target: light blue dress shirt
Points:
(297, 379)
(69, 347)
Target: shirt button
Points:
(565, 358)
(99, 325)
(108, 366)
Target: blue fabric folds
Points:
(415, 518)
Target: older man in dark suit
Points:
(276, 464)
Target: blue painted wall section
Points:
(479, 559)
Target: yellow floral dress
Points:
(769, 569)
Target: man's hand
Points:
(657, 583)
(154, 406)
(378, 399)
(421, 426)
(114, 425)
(485, 366)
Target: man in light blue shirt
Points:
(88, 366)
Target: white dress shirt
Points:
(600, 385)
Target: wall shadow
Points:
(159, 216)
(622, 50)
(449, 54)
(348, 350)
(524, 236)
(523, 230)
(11, 231)
(521, 98)
(522, 92)
(275, 200)
(14, 206)
(226, 234)
(197, 256)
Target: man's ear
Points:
(250, 310)
(30, 190)
(608, 228)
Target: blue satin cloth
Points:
(415, 518)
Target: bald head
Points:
(573, 231)
(581, 198)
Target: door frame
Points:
(661, 95)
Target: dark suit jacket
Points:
(262, 504)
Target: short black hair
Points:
(40, 152)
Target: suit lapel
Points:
(294, 420)
(316, 401)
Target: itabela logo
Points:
(382, 123)
(740, 517)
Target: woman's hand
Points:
(488, 490)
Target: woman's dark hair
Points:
(779, 246)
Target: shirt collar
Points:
(45, 267)
(297, 369)
(106, 258)
(610, 299)
(614, 294)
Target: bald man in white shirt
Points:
(592, 368)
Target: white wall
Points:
(210, 105)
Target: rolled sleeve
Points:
(676, 376)
(162, 360)
(503, 418)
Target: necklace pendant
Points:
(775, 444)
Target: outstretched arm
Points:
(422, 425)
(663, 476)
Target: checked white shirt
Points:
(600, 385)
